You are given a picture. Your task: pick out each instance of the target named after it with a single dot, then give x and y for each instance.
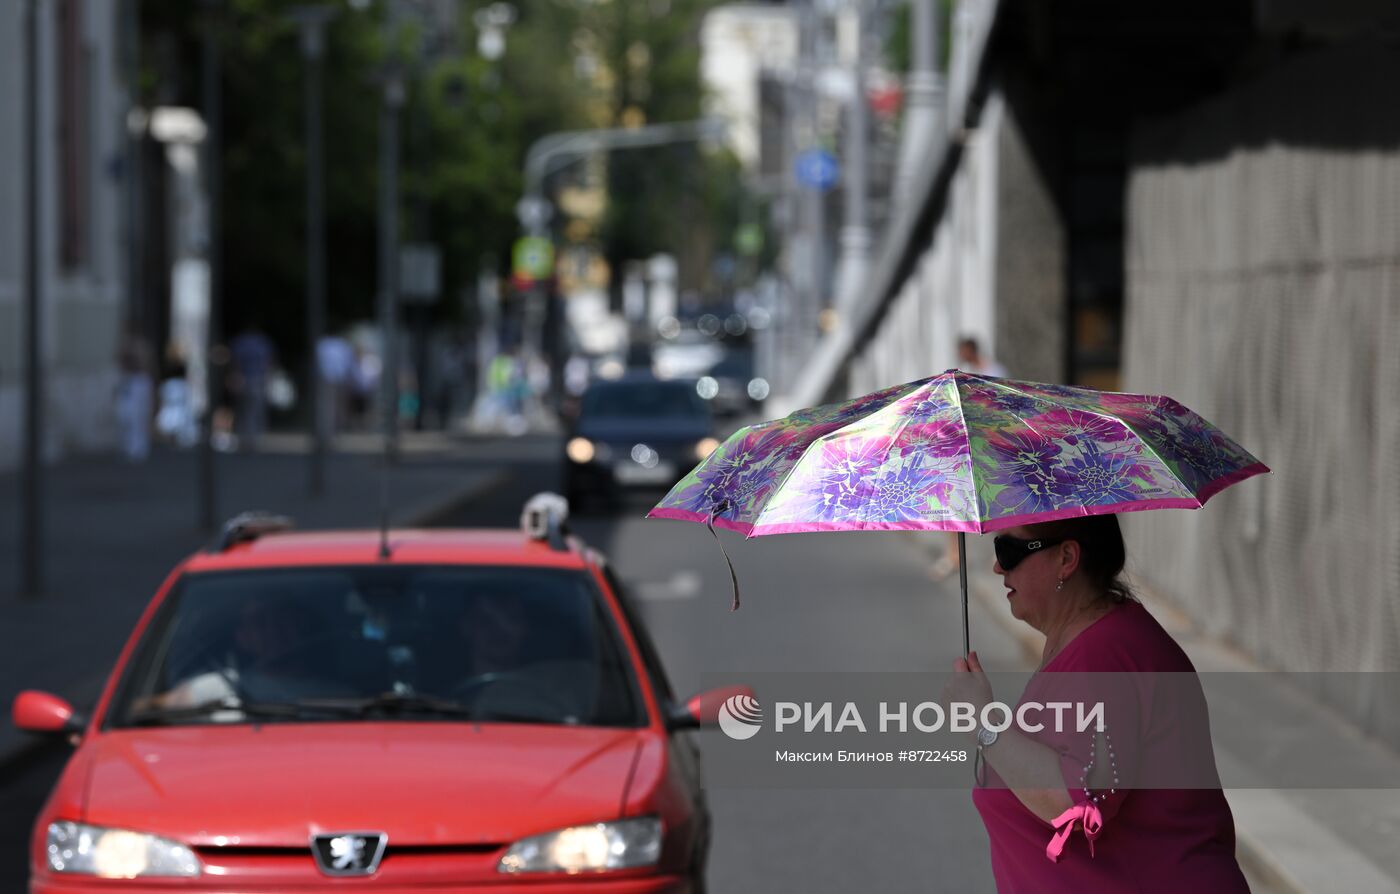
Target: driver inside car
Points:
(263, 652)
(494, 630)
(507, 661)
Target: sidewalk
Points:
(114, 530)
(1301, 841)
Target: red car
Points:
(431, 710)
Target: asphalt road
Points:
(818, 602)
(811, 603)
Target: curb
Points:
(437, 510)
(425, 514)
(1261, 861)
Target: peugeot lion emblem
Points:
(349, 853)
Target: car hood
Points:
(646, 431)
(422, 783)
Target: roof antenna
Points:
(384, 494)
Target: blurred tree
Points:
(466, 127)
(657, 197)
(483, 117)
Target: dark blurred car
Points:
(731, 387)
(637, 431)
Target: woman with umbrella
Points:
(1047, 467)
(1091, 833)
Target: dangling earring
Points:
(1059, 585)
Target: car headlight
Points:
(625, 844)
(580, 450)
(117, 853)
(705, 446)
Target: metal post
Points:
(855, 230)
(550, 154)
(139, 315)
(923, 116)
(315, 254)
(313, 20)
(389, 254)
(821, 287)
(791, 285)
(213, 179)
(31, 528)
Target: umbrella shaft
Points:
(962, 576)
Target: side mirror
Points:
(40, 712)
(703, 709)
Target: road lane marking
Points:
(680, 586)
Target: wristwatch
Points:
(986, 738)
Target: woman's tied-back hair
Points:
(1101, 551)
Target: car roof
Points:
(481, 546)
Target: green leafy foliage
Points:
(466, 126)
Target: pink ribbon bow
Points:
(1087, 815)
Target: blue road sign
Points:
(817, 169)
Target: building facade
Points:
(81, 160)
(1198, 201)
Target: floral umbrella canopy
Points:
(960, 452)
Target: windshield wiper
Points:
(392, 703)
(388, 703)
(250, 710)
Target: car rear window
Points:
(524, 644)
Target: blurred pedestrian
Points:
(971, 359)
(578, 371)
(175, 420)
(254, 357)
(451, 361)
(335, 365)
(1048, 795)
(364, 385)
(134, 397)
(510, 387)
(221, 414)
(409, 393)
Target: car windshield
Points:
(442, 642)
(736, 365)
(643, 399)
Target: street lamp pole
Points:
(554, 151)
(545, 154)
(139, 315)
(389, 234)
(855, 229)
(31, 552)
(215, 358)
(923, 116)
(815, 55)
(313, 21)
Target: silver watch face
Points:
(985, 737)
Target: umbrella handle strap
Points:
(733, 577)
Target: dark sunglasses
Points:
(1012, 551)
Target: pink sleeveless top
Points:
(1149, 840)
